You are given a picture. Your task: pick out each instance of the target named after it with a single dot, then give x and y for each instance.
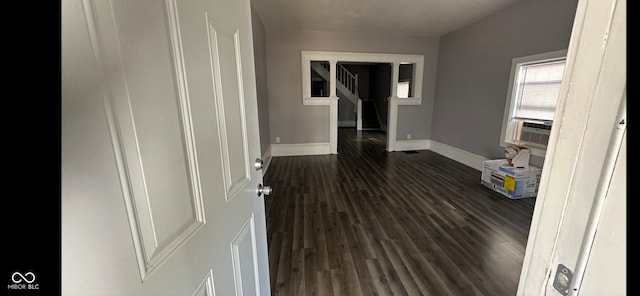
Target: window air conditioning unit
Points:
(535, 132)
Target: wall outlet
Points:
(277, 140)
(408, 136)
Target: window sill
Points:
(317, 101)
(407, 101)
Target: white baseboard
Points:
(459, 155)
(467, 158)
(266, 160)
(346, 123)
(419, 144)
(300, 149)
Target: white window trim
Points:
(509, 106)
(332, 101)
(335, 57)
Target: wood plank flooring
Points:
(369, 222)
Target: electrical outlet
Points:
(408, 136)
(277, 140)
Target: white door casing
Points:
(583, 179)
(393, 101)
(605, 272)
(158, 134)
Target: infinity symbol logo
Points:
(28, 277)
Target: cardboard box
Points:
(511, 182)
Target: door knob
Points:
(266, 190)
(259, 164)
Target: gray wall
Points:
(260, 57)
(346, 111)
(474, 65)
(295, 123)
(363, 71)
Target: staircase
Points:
(346, 83)
(347, 86)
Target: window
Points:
(403, 89)
(320, 78)
(534, 89)
(405, 80)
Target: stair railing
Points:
(349, 80)
(346, 78)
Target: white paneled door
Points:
(159, 139)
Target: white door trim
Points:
(593, 88)
(331, 101)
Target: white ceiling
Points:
(411, 17)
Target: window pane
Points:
(320, 78)
(403, 89)
(538, 90)
(405, 75)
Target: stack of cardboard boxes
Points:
(510, 181)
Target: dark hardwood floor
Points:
(369, 222)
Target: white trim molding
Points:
(392, 119)
(392, 122)
(419, 144)
(335, 57)
(359, 115)
(464, 157)
(467, 158)
(300, 149)
(323, 101)
(266, 160)
(577, 176)
(333, 124)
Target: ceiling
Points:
(410, 17)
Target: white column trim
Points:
(392, 118)
(333, 58)
(333, 122)
(392, 122)
(395, 73)
(359, 115)
(332, 78)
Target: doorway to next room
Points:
(373, 90)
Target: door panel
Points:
(206, 287)
(225, 56)
(154, 125)
(244, 260)
(160, 124)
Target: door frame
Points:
(332, 100)
(589, 116)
